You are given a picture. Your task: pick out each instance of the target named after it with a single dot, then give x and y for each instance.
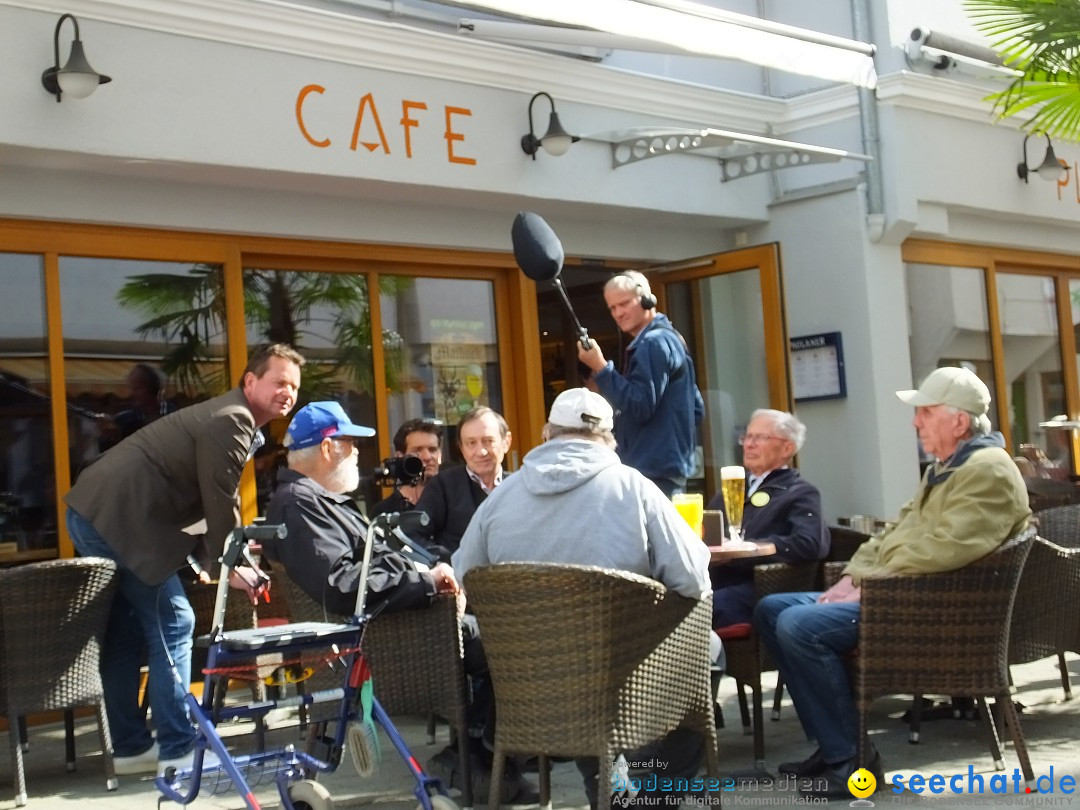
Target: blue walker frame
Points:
(285, 765)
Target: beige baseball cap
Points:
(953, 386)
(581, 408)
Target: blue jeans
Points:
(810, 643)
(159, 619)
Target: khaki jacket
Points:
(981, 505)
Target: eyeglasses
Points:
(756, 438)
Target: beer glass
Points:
(691, 507)
(733, 487)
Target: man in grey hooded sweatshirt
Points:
(574, 502)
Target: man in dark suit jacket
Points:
(131, 505)
(453, 496)
(780, 508)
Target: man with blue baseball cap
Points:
(322, 420)
(324, 548)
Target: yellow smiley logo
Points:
(861, 783)
(759, 499)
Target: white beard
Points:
(345, 477)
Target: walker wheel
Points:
(364, 749)
(440, 802)
(309, 795)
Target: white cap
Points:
(581, 408)
(955, 386)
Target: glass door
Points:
(730, 309)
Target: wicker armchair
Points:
(945, 633)
(1045, 619)
(52, 621)
(239, 615)
(624, 662)
(416, 662)
(746, 659)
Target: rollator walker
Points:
(338, 645)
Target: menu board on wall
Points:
(817, 367)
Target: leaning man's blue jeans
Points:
(810, 643)
(155, 617)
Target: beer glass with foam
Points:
(733, 487)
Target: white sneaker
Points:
(139, 763)
(209, 762)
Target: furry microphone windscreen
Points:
(537, 249)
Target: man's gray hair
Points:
(629, 281)
(785, 425)
(978, 424)
(597, 434)
(304, 456)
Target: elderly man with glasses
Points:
(969, 501)
(780, 508)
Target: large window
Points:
(1012, 339)
(105, 329)
(441, 358)
(27, 490)
(141, 339)
(327, 317)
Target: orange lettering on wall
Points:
(452, 136)
(1064, 181)
(365, 102)
(311, 88)
(407, 123)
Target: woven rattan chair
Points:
(52, 621)
(1050, 493)
(1046, 620)
(416, 662)
(588, 662)
(945, 633)
(239, 615)
(747, 659)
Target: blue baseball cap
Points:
(321, 420)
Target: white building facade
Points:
(256, 169)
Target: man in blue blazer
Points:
(781, 508)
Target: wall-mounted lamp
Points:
(1051, 169)
(555, 141)
(76, 79)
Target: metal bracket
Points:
(740, 154)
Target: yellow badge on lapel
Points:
(759, 499)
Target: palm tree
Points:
(1040, 38)
(187, 311)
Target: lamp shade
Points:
(77, 79)
(1051, 169)
(556, 140)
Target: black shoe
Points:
(832, 783)
(444, 767)
(811, 766)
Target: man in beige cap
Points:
(968, 503)
(574, 502)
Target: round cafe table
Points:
(718, 555)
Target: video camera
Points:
(399, 471)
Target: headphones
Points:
(647, 299)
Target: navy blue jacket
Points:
(657, 403)
(791, 520)
(451, 498)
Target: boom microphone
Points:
(539, 254)
(537, 249)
